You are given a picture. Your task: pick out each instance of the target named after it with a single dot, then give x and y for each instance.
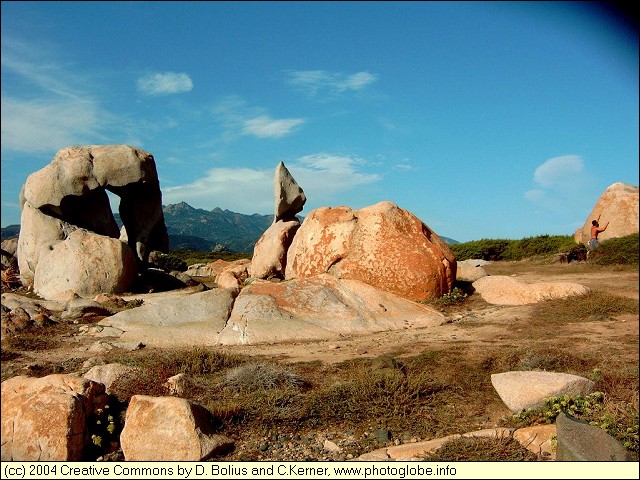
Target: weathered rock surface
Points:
(270, 252)
(538, 439)
(618, 205)
(579, 441)
(523, 390)
(419, 450)
(289, 197)
(85, 263)
(469, 271)
(503, 290)
(316, 308)
(71, 193)
(381, 245)
(108, 374)
(234, 275)
(169, 429)
(175, 319)
(45, 419)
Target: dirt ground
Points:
(476, 324)
(474, 327)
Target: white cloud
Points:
(46, 126)
(314, 82)
(266, 127)
(558, 171)
(250, 190)
(562, 184)
(240, 119)
(324, 174)
(165, 83)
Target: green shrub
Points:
(455, 297)
(169, 263)
(542, 245)
(617, 251)
(590, 408)
(193, 257)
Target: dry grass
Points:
(482, 449)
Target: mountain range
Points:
(197, 229)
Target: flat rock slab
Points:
(175, 320)
(503, 290)
(525, 390)
(320, 307)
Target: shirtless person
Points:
(595, 230)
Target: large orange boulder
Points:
(618, 206)
(381, 245)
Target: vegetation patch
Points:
(616, 251)
(483, 449)
(583, 308)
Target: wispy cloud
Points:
(561, 183)
(45, 126)
(323, 82)
(328, 173)
(165, 83)
(59, 111)
(247, 190)
(558, 171)
(238, 118)
(265, 127)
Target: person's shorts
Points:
(593, 244)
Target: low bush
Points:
(617, 251)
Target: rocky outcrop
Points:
(70, 194)
(45, 419)
(108, 374)
(169, 429)
(618, 206)
(381, 245)
(270, 251)
(530, 389)
(503, 290)
(85, 263)
(319, 307)
(171, 320)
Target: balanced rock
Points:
(270, 252)
(381, 245)
(169, 429)
(45, 419)
(289, 197)
(618, 206)
(71, 193)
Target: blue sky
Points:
(485, 120)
